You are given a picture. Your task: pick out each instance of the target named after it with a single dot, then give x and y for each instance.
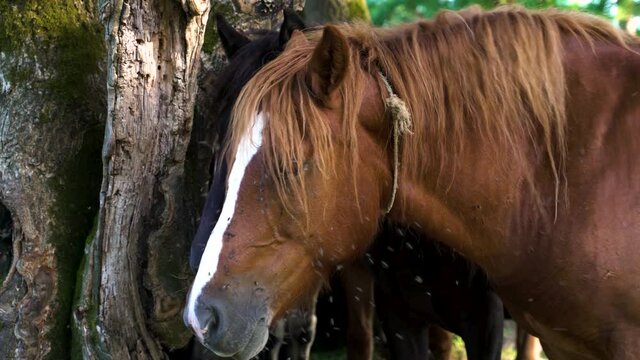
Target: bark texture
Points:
(135, 271)
(50, 106)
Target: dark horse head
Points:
(246, 56)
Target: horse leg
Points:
(440, 343)
(527, 346)
(357, 282)
(482, 331)
(406, 339)
(276, 338)
(301, 331)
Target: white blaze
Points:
(248, 147)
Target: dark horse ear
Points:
(292, 22)
(329, 62)
(232, 40)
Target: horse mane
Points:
(223, 88)
(495, 76)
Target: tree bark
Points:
(135, 271)
(50, 106)
(50, 110)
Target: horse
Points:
(505, 136)
(354, 278)
(246, 57)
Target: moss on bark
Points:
(62, 37)
(52, 54)
(211, 35)
(86, 303)
(76, 188)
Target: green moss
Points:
(36, 21)
(211, 35)
(59, 35)
(76, 187)
(76, 335)
(88, 304)
(76, 66)
(60, 48)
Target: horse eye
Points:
(295, 169)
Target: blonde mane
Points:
(497, 75)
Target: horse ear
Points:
(232, 40)
(329, 62)
(297, 39)
(292, 22)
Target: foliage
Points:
(391, 12)
(358, 10)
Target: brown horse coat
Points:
(522, 158)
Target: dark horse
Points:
(419, 283)
(521, 156)
(460, 301)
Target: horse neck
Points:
(479, 204)
(476, 213)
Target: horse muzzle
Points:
(231, 326)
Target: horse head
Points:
(305, 189)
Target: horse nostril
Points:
(214, 321)
(209, 318)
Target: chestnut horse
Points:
(246, 57)
(222, 91)
(520, 156)
(462, 301)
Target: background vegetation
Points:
(624, 13)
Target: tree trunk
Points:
(135, 270)
(51, 102)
